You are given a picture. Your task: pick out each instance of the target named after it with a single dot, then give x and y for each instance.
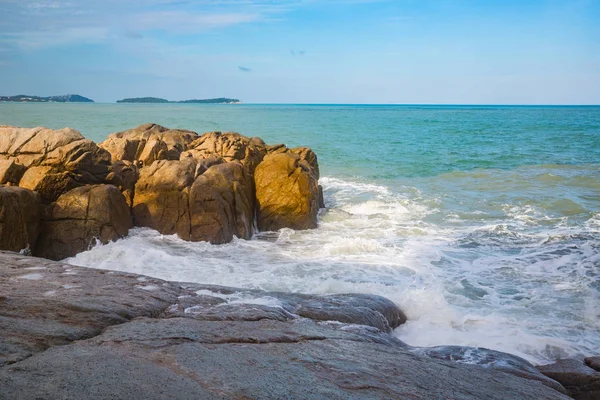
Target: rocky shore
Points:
(73, 333)
(63, 192)
(70, 332)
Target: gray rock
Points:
(581, 381)
(593, 362)
(77, 333)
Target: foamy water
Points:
(491, 261)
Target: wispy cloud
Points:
(245, 69)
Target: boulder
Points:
(31, 147)
(20, 213)
(10, 172)
(195, 202)
(80, 217)
(56, 160)
(124, 175)
(581, 381)
(287, 193)
(148, 143)
(161, 199)
(222, 204)
(229, 146)
(48, 181)
(306, 154)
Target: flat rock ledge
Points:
(79, 333)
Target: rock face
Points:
(115, 335)
(287, 193)
(20, 211)
(222, 204)
(81, 216)
(56, 160)
(124, 175)
(10, 172)
(148, 143)
(196, 203)
(229, 146)
(203, 188)
(581, 381)
(161, 199)
(593, 362)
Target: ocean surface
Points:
(481, 222)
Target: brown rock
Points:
(30, 147)
(222, 204)
(10, 172)
(148, 143)
(195, 202)
(125, 175)
(161, 199)
(230, 146)
(309, 156)
(287, 193)
(81, 216)
(19, 218)
(57, 160)
(48, 181)
(581, 381)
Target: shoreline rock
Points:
(78, 332)
(200, 187)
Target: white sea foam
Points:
(497, 273)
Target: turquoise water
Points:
(481, 222)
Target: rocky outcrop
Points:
(229, 146)
(161, 199)
(202, 188)
(148, 143)
(56, 160)
(116, 335)
(197, 203)
(80, 217)
(125, 175)
(20, 211)
(10, 172)
(222, 204)
(581, 381)
(287, 193)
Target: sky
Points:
(305, 51)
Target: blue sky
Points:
(305, 51)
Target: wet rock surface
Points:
(73, 333)
(577, 376)
(81, 217)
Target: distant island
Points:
(220, 100)
(66, 98)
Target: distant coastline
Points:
(219, 100)
(66, 98)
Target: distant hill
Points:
(67, 98)
(220, 100)
(144, 100)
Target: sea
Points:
(481, 222)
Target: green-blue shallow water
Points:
(481, 222)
